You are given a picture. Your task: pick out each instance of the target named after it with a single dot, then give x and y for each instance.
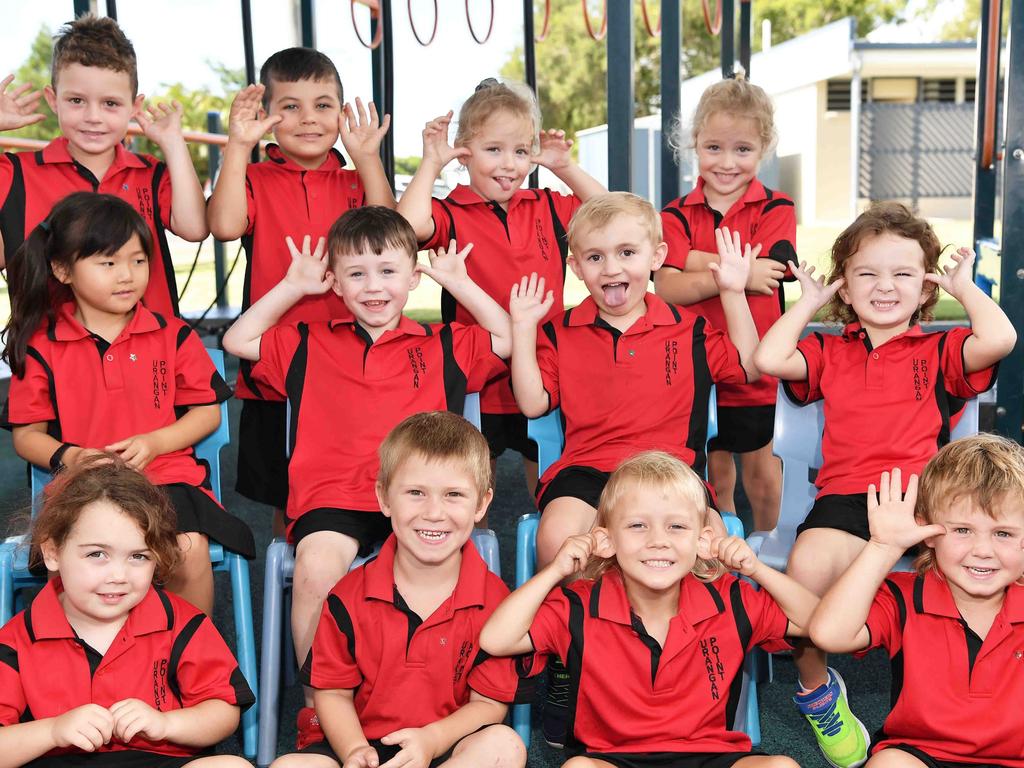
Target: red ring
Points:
(716, 27)
(376, 38)
(647, 20)
(547, 20)
(590, 28)
(490, 26)
(412, 25)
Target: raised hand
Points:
(418, 748)
(735, 554)
(891, 513)
(133, 717)
(574, 553)
(18, 107)
(555, 150)
(87, 728)
(812, 289)
(308, 271)
(362, 131)
(436, 148)
(765, 276)
(161, 123)
(247, 121)
(958, 276)
(447, 266)
(528, 304)
(733, 265)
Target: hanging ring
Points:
(599, 35)
(547, 20)
(652, 31)
(380, 28)
(713, 27)
(490, 25)
(412, 26)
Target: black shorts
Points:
(384, 751)
(262, 452)
(843, 512)
(367, 528)
(745, 428)
(507, 430)
(931, 762)
(198, 513)
(583, 483)
(671, 759)
(126, 758)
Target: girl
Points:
(94, 370)
(655, 606)
(881, 378)
(513, 231)
(104, 668)
(732, 130)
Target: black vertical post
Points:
(213, 155)
(82, 7)
(112, 9)
(671, 45)
(307, 23)
(250, 57)
(1010, 407)
(728, 37)
(530, 67)
(746, 22)
(620, 96)
(383, 68)
(985, 175)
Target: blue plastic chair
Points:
(14, 573)
(277, 654)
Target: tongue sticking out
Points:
(615, 294)
(505, 184)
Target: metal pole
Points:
(307, 23)
(855, 86)
(383, 68)
(620, 96)
(1010, 403)
(250, 58)
(746, 21)
(671, 45)
(530, 67)
(213, 155)
(985, 175)
(112, 9)
(728, 36)
(83, 7)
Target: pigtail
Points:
(31, 294)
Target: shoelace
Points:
(828, 722)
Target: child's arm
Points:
(415, 204)
(697, 282)
(731, 277)
(777, 353)
(200, 725)
(527, 306)
(87, 728)
(362, 136)
(18, 108)
(992, 335)
(34, 445)
(795, 600)
(336, 711)
(421, 745)
(448, 269)
(507, 631)
(138, 450)
(555, 155)
(307, 275)
(228, 212)
(162, 125)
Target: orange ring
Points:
(590, 28)
(412, 25)
(647, 20)
(490, 26)
(547, 21)
(716, 27)
(376, 38)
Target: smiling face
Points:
(375, 287)
(104, 565)
(729, 151)
(309, 127)
(108, 285)
(500, 159)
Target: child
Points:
(953, 629)
(95, 370)
(104, 668)
(882, 378)
(349, 383)
(514, 231)
(732, 130)
(397, 668)
(657, 608)
(94, 93)
(300, 189)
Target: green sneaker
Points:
(842, 738)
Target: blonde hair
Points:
(436, 436)
(653, 469)
(734, 96)
(985, 468)
(491, 97)
(600, 210)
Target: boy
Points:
(955, 628)
(631, 372)
(94, 93)
(349, 383)
(396, 663)
(300, 189)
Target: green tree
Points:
(36, 70)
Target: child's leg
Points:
(563, 517)
(895, 758)
(219, 761)
(498, 746)
(766, 761)
(193, 578)
(762, 482)
(586, 762)
(722, 475)
(296, 760)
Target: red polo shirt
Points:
(168, 654)
(409, 671)
(94, 393)
(645, 389)
(283, 199)
(763, 216)
(677, 698)
(529, 237)
(347, 393)
(893, 406)
(31, 183)
(955, 696)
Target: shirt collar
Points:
(46, 620)
(464, 195)
(332, 162)
(406, 327)
(697, 600)
(659, 312)
(57, 152)
(932, 595)
(379, 579)
(754, 194)
(855, 332)
(65, 327)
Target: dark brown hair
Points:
(94, 42)
(294, 64)
(106, 477)
(373, 228)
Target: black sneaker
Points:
(556, 705)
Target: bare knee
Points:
(564, 517)
(498, 746)
(195, 553)
(821, 555)
(302, 761)
(893, 758)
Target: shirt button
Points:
(632, 353)
(110, 358)
(874, 355)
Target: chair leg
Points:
(245, 639)
(270, 653)
(526, 564)
(6, 583)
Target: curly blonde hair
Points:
(734, 96)
(492, 96)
